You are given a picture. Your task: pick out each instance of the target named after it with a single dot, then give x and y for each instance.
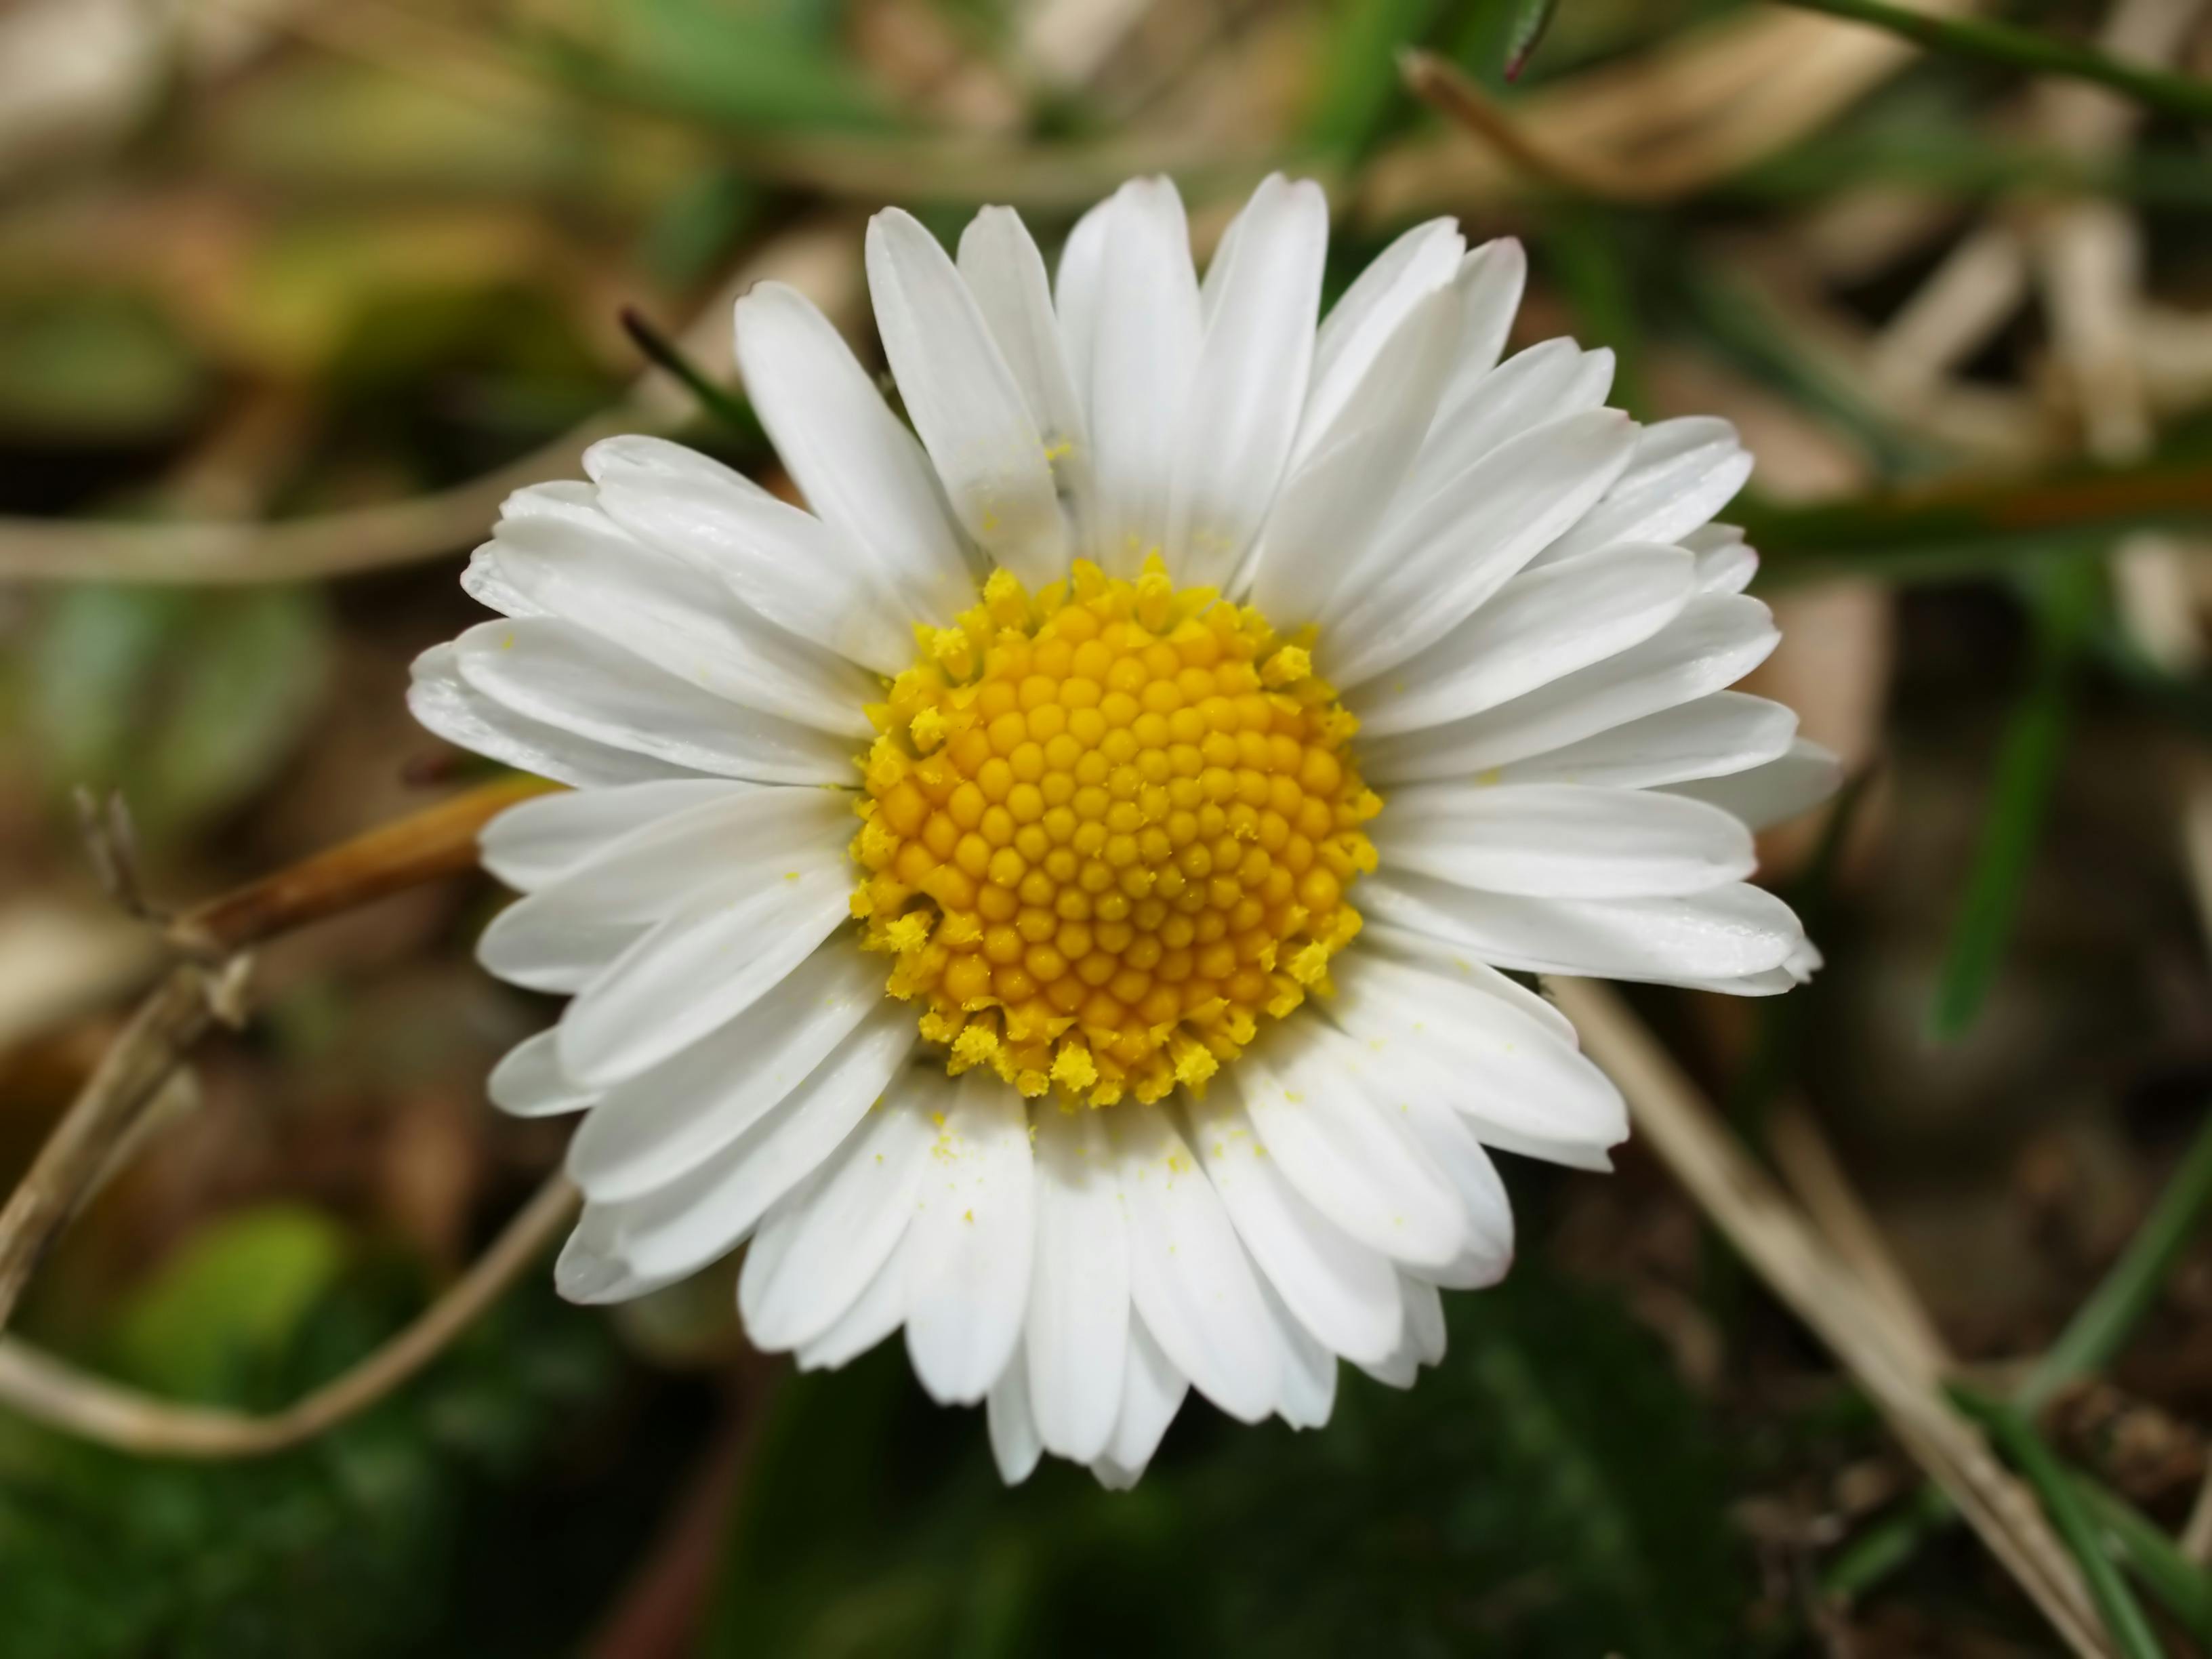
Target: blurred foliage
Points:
(188, 701)
(390, 244)
(1550, 1489)
(357, 1545)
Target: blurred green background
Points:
(291, 291)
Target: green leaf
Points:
(747, 68)
(186, 702)
(91, 667)
(247, 682)
(1549, 1490)
(230, 1299)
(1360, 86)
(93, 366)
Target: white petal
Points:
(579, 565)
(456, 711)
(1517, 1077)
(1717, 640)
(1721, 933)
(1726, 731)
(564, 675)
(1151, 1392)
(560, 960)
(697, 969)
(1014, 1444)
(858, 467)
(1490, 280)
(1005, 273)
(1308, 1101)
(1795, 781)
(968, 1249)
(560, 936)
(528, 1081)
(1454, 1152)
(1420, 578)
(873, 1315)
(1725, 565)
(746, 834)
(1337, 496)
(649, 1130)
(537, 840)
(1546, 383)
(1143, 348)
(964, 400)
(1562, 840)
(1308, 1391)
(1078, 287)
(1543, 624)
(679, 1228)
(1250, 381)
(1189, 1276)
(1078, 1333)
(1369, 314)
(1425, 1319)
(835, 1232)
(1439, 957)
(1343, 1293)
(972, 1242)
(1684, 472)
(780, 560)
(1422, 1342)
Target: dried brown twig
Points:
(62, 1397)
(207, 987)
(1806, 1272)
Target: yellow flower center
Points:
(1108, 828)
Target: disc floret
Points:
(1107, 831)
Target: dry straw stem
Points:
(819, 259)
(62, 1397)
(1804, 1270)
(1703, 105)
(209, 986)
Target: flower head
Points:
(1052, 895)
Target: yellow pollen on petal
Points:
(1107, 834)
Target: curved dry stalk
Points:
(210, 986)
(136, 1066)
(60, 1397)
(1803, 1270)
(1677, 118)
(1439, 83)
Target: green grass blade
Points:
(2024, 49)
(2069, 1516)
(2102, 1324)
(2027, 767)
(723, 404)
(2137, 1543)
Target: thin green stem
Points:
(2024, 49)
(2098, 1330)
(2102, 1323)
(2139, 1544)
(2027, 768)
(2070, 1515)
(718, 401)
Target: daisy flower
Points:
(1051, 893)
